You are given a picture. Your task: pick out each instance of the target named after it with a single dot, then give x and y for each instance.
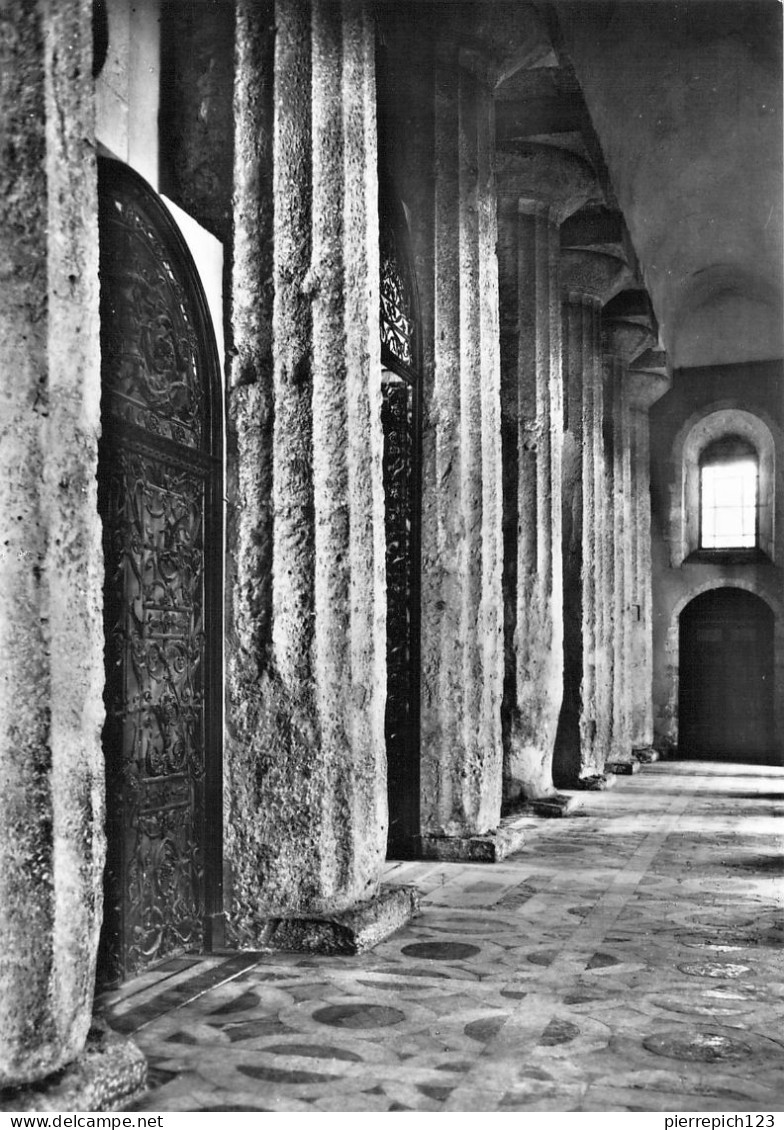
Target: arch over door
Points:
(726, 677)
(159, 497)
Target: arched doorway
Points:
(400, 418)
(160, 493)
(726, 677)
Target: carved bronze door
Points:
(400, 420)
(159, 499)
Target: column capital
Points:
(629, 325)
(593, 272)
(545, 176)
(594, 259)
(648, 380)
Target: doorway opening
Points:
(726, 677)
(400, 418)
(160, 490)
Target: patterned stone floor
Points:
(629, 958)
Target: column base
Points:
(553, 806)
(622, 768)
(645, 755)
(110, 1074)
(490, 847)
(351, 932)
(596, 783)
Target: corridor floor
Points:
(630, 957)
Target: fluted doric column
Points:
(627, 330)
(462, 640)
(592, 271)
(538, 187)
(646, 381)
(52, 844)
(306, 783)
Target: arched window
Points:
(724, 497)
(729, 480)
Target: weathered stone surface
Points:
(462, 626)
(305, 782)
(576, 752)
(532, 436)
(621, 524)
(195, 122)
(622, 768)
(109, 1074)
(553, 806)
(545, 172)
(596, 783)
(354, 931)
(51, 644)
(507, 838)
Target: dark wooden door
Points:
(400, 418)
(159, 499)
(726, 677)
(402, 715)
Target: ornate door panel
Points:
(400, 421)
(159, 480)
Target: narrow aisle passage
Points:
(628, 958)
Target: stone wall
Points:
(695, 395)
(196, 123)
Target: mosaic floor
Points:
(630, 957)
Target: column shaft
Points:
(642, 663)
(52, 801)
(306, 787)
(630, 549)
(462, 658)
(610, 577)
(532, 435)
(621, 737)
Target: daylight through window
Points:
(728, 488)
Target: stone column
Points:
(592, 271)
(627, 330)
(462, 640)
(537, 188)
(52, 845)
(306, 784)
(646, 381)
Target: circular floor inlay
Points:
(766, 864)
(558, 1032)
(720, 945)
(237, 1109)
(314, 1051)
(280, 1075)
(358, 1016)
(484, 1029)
(441, 951)
(542, 957)
(701, 1047)
(701, 1008)
(469, 926)
(715, 969)
(602, 961)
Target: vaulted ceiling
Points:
(685, 97)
